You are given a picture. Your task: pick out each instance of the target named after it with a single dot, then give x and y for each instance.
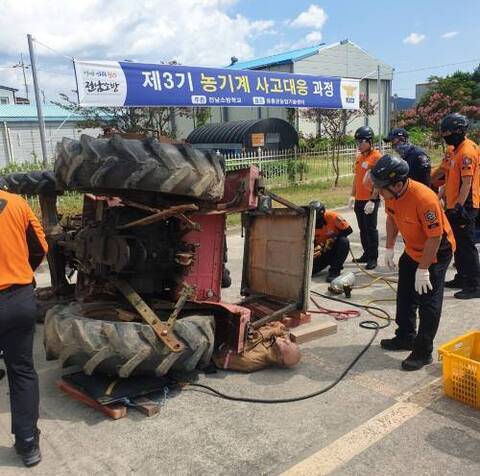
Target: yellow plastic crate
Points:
(461, 368)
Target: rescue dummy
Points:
(270, 346)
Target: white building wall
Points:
(20, 142)
(6, 96)
(349, 60)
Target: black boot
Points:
(416, 361)
(396, 344)
(456, 283)
(469, 293)
(362, 259)
(29, 450)
(371, 264)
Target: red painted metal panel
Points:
(242, 180)
(206, 272)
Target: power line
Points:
(437, 66)
(53, 50)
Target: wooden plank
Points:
(146, 406)
(114, 411)
(313, 330)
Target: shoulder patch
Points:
(3, 204)
(430, 215)
(466, 161)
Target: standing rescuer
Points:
(417, 159)
(415, 211)
(364, 199)
(461, 171)
(22, 249)
(331, 244)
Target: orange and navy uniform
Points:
(334, 226)
(443, 167)
(22, 241)
(418, 216)
(363, 163)
(462, 162)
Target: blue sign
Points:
(127, 84)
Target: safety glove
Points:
(389, 259)
(369, 207)
(422, 281)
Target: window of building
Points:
(4, 100)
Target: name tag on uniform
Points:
(364, 164)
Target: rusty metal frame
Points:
(158, 215)
(162, 330)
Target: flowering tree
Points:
(429, 113)
(334, 124)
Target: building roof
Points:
(402, 104)
(298, 55)
(8, 88)
(28, 113)
(239, 132)
(280, 58)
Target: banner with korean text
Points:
(125, 84)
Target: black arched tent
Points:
(269, 133)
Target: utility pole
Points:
(21, 64)
(379, 93)
(41, 121)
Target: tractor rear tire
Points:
(36, 182)
(125, 348)
(117, 164)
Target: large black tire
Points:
(35, 182)
(118, 164)
(124, 348)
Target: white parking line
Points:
(351, 444)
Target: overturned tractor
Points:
(136, 279)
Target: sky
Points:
(413, 36)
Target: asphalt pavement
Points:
(379, 420)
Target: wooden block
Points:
(146, 406)
(313, 330)
(114, 411)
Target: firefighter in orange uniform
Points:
(414, 210)
(365, 200)
(461, 171)
(22, 249)
(331, 244)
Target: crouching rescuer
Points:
(22, 249)
(415, 211)
(331, 243)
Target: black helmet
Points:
(389, 170)
(454, 123)
(319, 207)
(364, 132)
(397, 133)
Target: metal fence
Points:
(283, 168)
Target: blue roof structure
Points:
(28, 113)
(280, 58)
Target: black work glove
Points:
(462, 214)
(458, 215)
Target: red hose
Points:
(339, 315)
